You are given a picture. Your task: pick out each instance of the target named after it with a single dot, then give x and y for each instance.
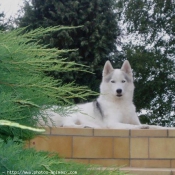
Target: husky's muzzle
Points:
(119, 92)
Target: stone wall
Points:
(107, 147)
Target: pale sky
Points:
(10, 7)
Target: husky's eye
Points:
(112, 81)
(123, 81)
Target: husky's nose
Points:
(119, 91)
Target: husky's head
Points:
(117, 83)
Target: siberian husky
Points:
(113, 109)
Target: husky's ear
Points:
(126, 67)
(107, 68)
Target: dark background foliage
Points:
(95, 39)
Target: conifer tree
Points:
(3, 25)
(95, 39)
(24, 87)
(24, 91)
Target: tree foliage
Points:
(95, 39)
(24, 87)
(150, 27)
(25, 90)
(3, 25)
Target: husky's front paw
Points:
(144, 127)
(87, 127)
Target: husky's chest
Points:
(118, 112)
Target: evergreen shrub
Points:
(25, 89)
